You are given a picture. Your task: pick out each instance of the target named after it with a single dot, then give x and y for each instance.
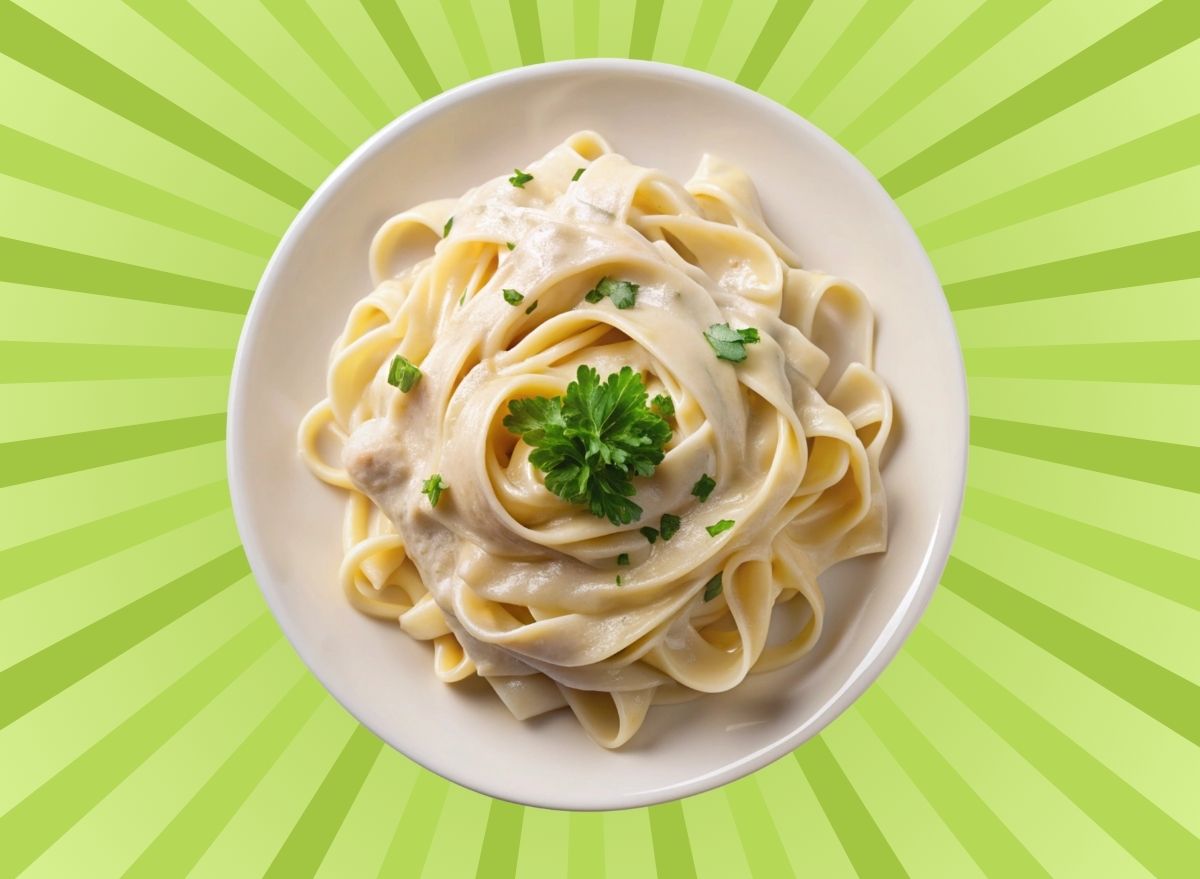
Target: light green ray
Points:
(362, 842)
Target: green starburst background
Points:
(1043, 720)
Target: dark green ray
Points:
(43, 164)
(672, 849)
(30, 827)
(863, 841)
(181, 843)
(306, 845)
(1171, 362)
(31, 564)
(30, 41)
(647, 15)
(528, 27)
(1148, 262)
(409, 848)
(1149, 157)
(35, 362)
(863, 31)
(201, 39)
(768, 46)
(1169, 464)
(1172, 575)
(22, 262)
(1160, 30)
(501, 841)
(310, 33)
(398, 36)
(51, 670)
(985, 837)
(33, 459)
(1160, 693)
(1136, 823)
(985, 27)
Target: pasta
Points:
(772, 466)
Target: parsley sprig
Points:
(591, 442)
(433, 488)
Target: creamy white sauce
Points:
(517, 585)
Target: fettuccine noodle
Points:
(511, 582)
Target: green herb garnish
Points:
(446, 229)
(623, 558)
(718, 527)
(651, 534)
(619, 583)
(622, 293)
(511, 245)
(663, 405)
(668, 525)
(519, 178)
(704, 487)
(433, 489)
(577, 175)
(712, 588)
(591, 442)
(463, 299)
(730, 344)
(403, 374)
(530, 309)
(512, 297)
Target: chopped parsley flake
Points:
(712, 588)
(403, 374)
(619, 583)
(651, 534)
(730, 344)
(704, 487)
(433, 489)
(446, 229)
(530, 309)
(519, 178)
(668, 525)
(623, 558)
(718, 527)
(577, 175)
(512, 297)
(622, 293)
(511, 245)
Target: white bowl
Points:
(820, 200)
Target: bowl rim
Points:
(890, 638)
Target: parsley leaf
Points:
(446, 229)
(530, 309)
(718, 527)
(403, 374)
(712, 588)
(512, 297)
(663, 405)
(519, 178)
(622, 293)
(577, 175)
(590, 443)
(730, 344)
(623, 558)
(668, 526)
(433, 489)
(704, 487)
(651, 534)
